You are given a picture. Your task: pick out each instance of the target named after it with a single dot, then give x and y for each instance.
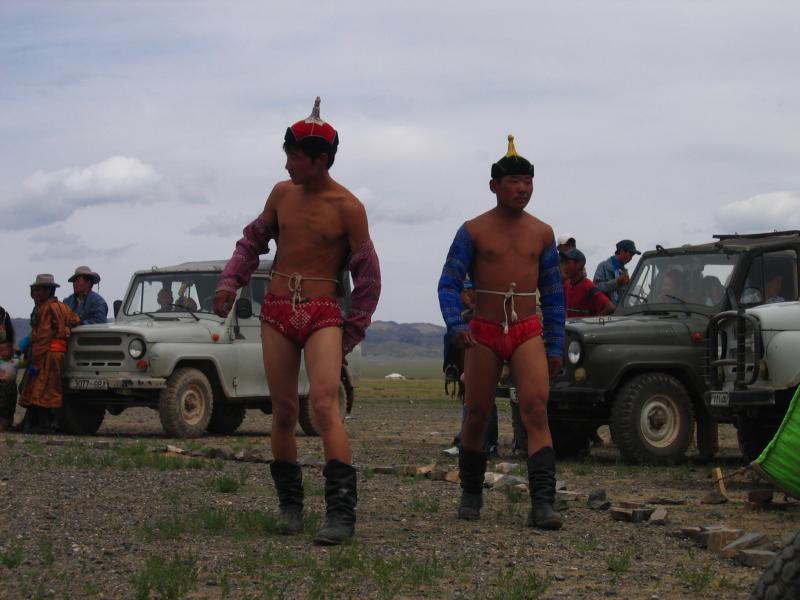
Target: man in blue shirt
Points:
(87, 304)
(611, 275)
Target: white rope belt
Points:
(296, 284)
(509, 295)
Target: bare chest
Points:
(503, 247)
(316, 224)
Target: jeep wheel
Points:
(226, 418)
(186, 404)
(307, 418)
(754, 435)
(652, 419)
(79, 418)
(781, 579)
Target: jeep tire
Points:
(652, 419)
(781, 579)
(186, 404)
(306, 417)
(225, 417)
(78, 417)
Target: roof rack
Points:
(750, 236)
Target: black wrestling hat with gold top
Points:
(512, 163)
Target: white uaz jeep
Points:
(167, 350)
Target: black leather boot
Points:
(471, 471)
(288, 478)
(542, 485)
(341, 497)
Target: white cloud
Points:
(764, 212)
(55, 241)
(52, 196)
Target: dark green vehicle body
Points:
(642, 370)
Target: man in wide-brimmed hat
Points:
(50, 327)
(86, 303)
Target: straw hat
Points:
(85, 272)
(45, 280)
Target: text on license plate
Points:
(719, 399)
(88, 384)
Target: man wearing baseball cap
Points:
(611, 275)
(581, 296)
(86, 303)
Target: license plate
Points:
(720, 399)
(88, 384)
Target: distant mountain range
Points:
(385, 339)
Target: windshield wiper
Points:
(671, 297)
(183, 308)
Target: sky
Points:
(146, 133)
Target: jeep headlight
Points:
(136, 348)
(574, 350)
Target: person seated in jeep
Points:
(164, 300)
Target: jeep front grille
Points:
(100, 358)
(86, 340)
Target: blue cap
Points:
(574, 254)
(627, 246)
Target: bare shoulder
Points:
(479, 223)
(278, 193)
(347, 202)
(540, 229)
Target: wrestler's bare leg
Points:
(282, 367)
(481, 372)
(323, 356)
(530, 375)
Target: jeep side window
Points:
(772, 278)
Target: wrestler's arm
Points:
(551, 296)
(365, 271)
(254, 242)
(456, 267)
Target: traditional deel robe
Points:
(459, 264)
(50, 328)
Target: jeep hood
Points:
(184, 330)
(662, 328)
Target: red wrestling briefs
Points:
(299, 322)
(490, 334)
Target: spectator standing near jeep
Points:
(508, 254)
(320, 224)
(85, 302)
(581, 296)
(50, 327)
(611, 275)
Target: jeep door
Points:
(249, 365)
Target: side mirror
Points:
(117, 306)
(244, 308)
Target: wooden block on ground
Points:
(755, 558)
(760, 496)
(452, 477)
(748, 540)
(716, 540)
(668, 501)
(714, 497)
(631, 504)
(424, 470)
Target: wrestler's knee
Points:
(533, 408)
(326, 411)
(284, 415)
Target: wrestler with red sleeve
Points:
(319, 227)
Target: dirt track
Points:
(110, 517)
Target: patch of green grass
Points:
(225, 484)
(165, 528)
(425, 504)
(424, 572)
(46, 552)
(696, 577)
(620, 563)
(312, 488)
(167, 579)
(586, 544)
(513, 585)
(11, 556)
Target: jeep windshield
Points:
(171, 294)
(694, 282)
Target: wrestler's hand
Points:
(554, 365)
(464, 339)
(223, 302)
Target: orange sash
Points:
(58, 346)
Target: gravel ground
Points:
(112, 516)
